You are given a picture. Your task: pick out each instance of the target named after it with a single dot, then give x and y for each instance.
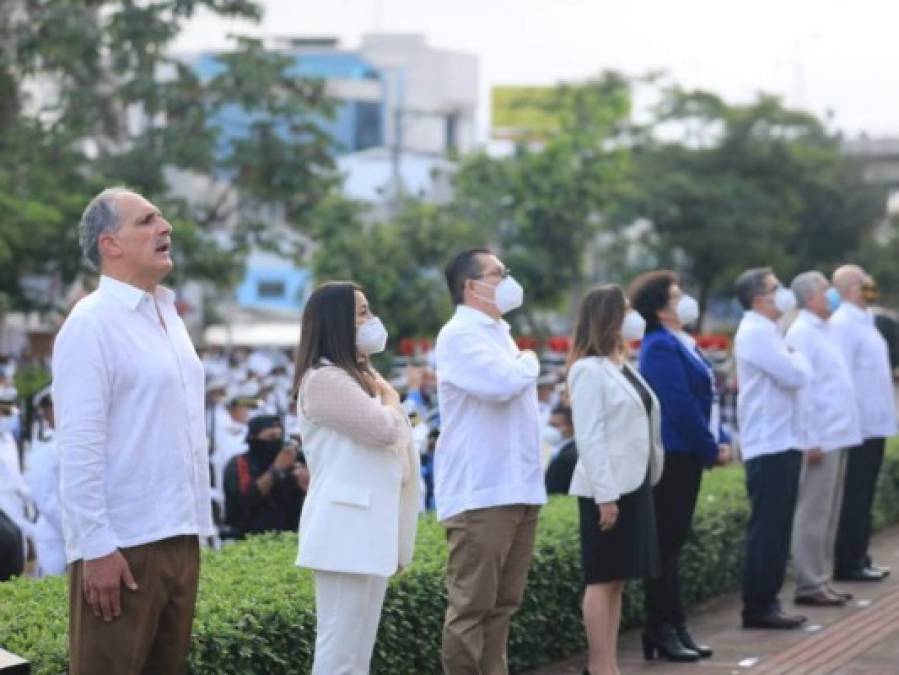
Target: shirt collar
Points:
(131, 296)
(472, 315)
(759, 319)
(811, 318)
(856, 312)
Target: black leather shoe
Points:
(775, 620)
(667, 644)
(864, 574)
(687, 641)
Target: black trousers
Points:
(772, 482)
(854, 533)
(675, 501)
(12, 555)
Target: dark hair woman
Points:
(358, 522)
(616, 429)
(693, 439)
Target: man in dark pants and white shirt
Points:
(488, 477)
(134, 465)
(770, 375)
(868, 360)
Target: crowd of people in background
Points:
(144, 450)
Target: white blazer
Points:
(614, 440)
(359, 516)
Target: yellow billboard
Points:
(524, 112)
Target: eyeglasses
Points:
(502, 274)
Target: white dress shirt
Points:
(129, 403)
(488, 453)
(868, 360)
(769, 378)
(823, 420)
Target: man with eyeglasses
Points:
(770, 375)
(488, 476)
(868, 359)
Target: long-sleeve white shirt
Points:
(769, 377)
(129, 403)
(488, 453)
(42, 476)
(868, 360)
(823, 419)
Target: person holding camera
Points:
(265, 486)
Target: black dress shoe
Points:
(820, 598)
(667, 644)
(687, 641)
(864, 574)
(775, 620)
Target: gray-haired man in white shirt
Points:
(825, 427)
(129, 393)
(488, 476)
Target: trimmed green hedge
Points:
(255, 612)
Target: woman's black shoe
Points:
(687, 641)
(668, 646)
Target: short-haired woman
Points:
(358, 522)
(616, 427)
(691, 433)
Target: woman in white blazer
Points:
(358, 522)
(618, 435)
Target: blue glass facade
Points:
(356, 125)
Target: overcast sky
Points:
(821, 55)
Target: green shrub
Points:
(255, 612)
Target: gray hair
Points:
(99, 218)
(805, 285)
(751, 284)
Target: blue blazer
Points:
(684, 389)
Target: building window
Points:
(451, 132)
(367, 133)
(271, 290)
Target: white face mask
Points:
(371, 337)
(784, 300)
(687, 309)
(634, 326)
(508, 295)
(552, 435)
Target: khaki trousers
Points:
(490, 552)
(152, 634)
(816, 520)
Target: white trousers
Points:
(347, 611)
(816, 519)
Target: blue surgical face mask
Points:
(833, 299)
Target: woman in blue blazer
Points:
(684, 383)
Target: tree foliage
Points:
(93, 96)
(748, 185)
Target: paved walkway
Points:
(861, 638)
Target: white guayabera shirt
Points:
(488, 453)
(129, 402)
(868, 360)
